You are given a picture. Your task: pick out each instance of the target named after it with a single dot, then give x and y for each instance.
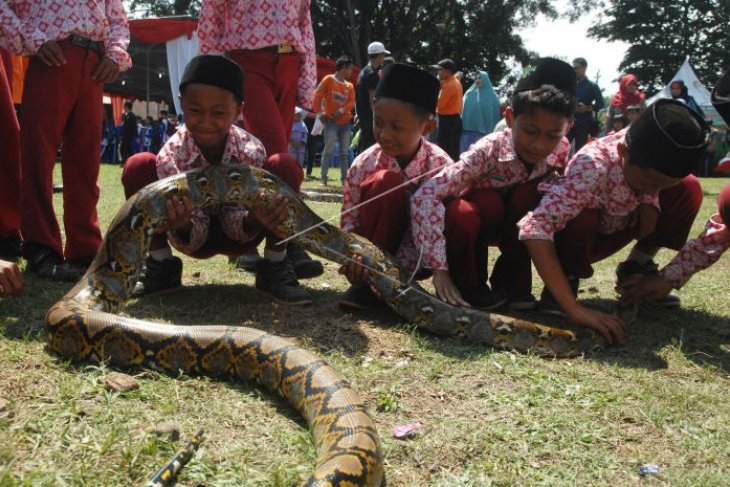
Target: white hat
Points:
(377, 48)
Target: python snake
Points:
(83, 325)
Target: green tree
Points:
(662, 33)
(474, 33)
(164, 8)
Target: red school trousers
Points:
(383, 217)
(9, 156)
(579, 244)
(269, 95)
(141, 169)
(61, 104)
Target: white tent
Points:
(695, 88)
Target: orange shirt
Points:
(332, 94)
(450, 97)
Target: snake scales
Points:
(82, 325)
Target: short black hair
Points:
(342, 62)
(128, 104)
(547, 97)
(580, 60)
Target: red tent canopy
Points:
(157, 31)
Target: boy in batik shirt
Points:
(381, 180)
(479, 199)
(211, 93)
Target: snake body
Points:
(83, 325)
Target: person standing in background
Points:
(367, 81)
(75, 47)
(449, 109)
(481, 110)
(590, 101)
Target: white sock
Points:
(161, 254)
(638, 256)
(274, 255)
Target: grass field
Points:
(491, 417)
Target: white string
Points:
(359, 205)
(386, 276)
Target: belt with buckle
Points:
(283, 48)
(95, 46)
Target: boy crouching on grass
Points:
(481, 197)
(697, 254)
(211, 94)
(384, 177)
(634, 184)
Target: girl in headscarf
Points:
(481, 110)
(679, 91)
(627, 95)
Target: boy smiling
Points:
(479, 199)
(211, 92)
(386, 175)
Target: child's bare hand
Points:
(611, 327)
(639, 288)
(11, 281)
(355, 271)
(178, 214)
(272, 214)
(446, 289)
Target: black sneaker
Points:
(278, 280)
(159, 277)
(248, 262)
(304, 266)
(484, 298)
(359, 297)
(46, 263)
(631, 267)
(549, 305)
(82, 263)
(10, 248)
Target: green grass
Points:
(491, 417)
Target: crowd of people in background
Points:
(135, 134)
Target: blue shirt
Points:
(588, 93)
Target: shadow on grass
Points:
(23, 317)
(323, 327)
(703, 338)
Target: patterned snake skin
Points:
(82, 325)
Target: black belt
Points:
(284, 48)
(95, 46)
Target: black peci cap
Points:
(721, 97)
(215, 71)
(668, 136)
(409, 84)
(548, 71)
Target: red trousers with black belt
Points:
(140, 170)
(10, 155)
(61, 105)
